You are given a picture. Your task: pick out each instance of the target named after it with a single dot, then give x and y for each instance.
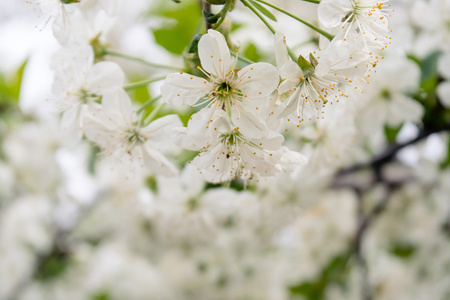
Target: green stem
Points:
(317, 29)
(259, 15)
(148, 103)
(142, 83)
(154, 112)
(312, 1)
(241, 58)
(138, 59)
(223, 14)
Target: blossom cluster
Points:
(110, 196)
(236, 129)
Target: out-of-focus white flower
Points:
(368, 18)
(44, 139)
(80, 84)
(227, 88)
(119, 134)
(59, 11)
(443, 90)
(388, 102)
(432, 17)
(116, 271)
(25, 229)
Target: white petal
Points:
(444, 65)
(199, 124)
(116, 105)
(184, 89)
(214, 53)
(62, 28)
(258, 80)
(257, 161)
(99, 132)
(443, 91)
(71, 123)
(214, 164)
(291, 71)
(162, 128)
(403, 109)
(158, 163)
(248, 124)
(103, 76)
(331, 12)
(288, 106)
(281, 53)
(183, 140)
(291, 159)
(272, 141)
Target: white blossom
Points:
(80, 84)
(120, 134)
(368, 18)
(230, 154)
(443, 89)
(226, 88)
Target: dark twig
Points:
(207, 9)
(345, 179)
(388, 155)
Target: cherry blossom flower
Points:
(119, 134)
(58, 11)
(368, 18)
(308, 86)
(230, 154)
(79, 85)
(239, 91)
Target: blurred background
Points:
(367, 218)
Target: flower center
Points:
(133, 136)
(86, 97)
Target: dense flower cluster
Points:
(244, 174)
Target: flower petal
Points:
(162, 128)
(158, 163)
(443, 91)
(331, 12)
(258, 80)
(214, 53)
(103, 76)
(199, 124)
(281, 53)
(184, 89)
(248, 124)
(116, 105)
(71, 123)
(272, 141)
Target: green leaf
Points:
(336, 272)
(251, 52)
(446, 162)
(210, 18)
(430, 66)
(52, 265)
(305, 65)
(101, 296)
(176, 33)
(313, 60)
(263, 10)
(403, 250)
(193, 48)
(391, 133)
